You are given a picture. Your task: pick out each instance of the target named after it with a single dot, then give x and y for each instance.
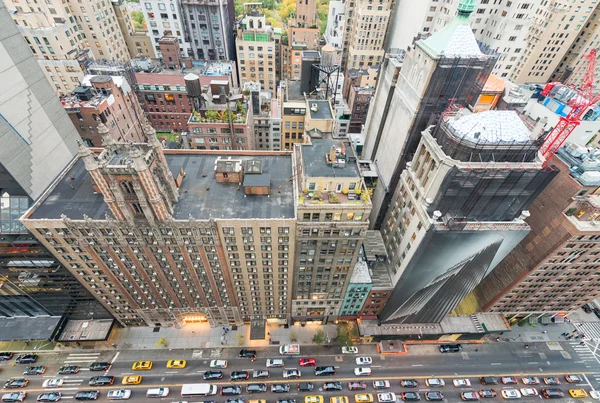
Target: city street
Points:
(422, 361)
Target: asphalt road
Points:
(540, 359)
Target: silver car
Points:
(119, 394)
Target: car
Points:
(26, 359)
(435, 382)
(363, 398)
(324, 371)
(14, 397)
(338, 399)
(409, 383)
(275, 363)
(68, 370)
(221, 364)
(142, 366)
(357, 385)
(350, 350)
(386, 397)
(332, 386)
(231, 390)
(291, 373)
(39, 370)
(509, 380)
(100, 366)
(132, 380)
(469, 396)
(285, 401)
(578, 393)
(53, 383)
(594, 394)
(488, 380)
(586, 308)
(305, 387)
(49, 397)
(461, 383)
(435, 396)
(530, 380)
(235, 400)
(119, 394)
(487, 393)
(574, 378)
(157, 392)
(362, 371)
(239, 375)
(410, 396)
(313, 399)
(280, 388)
(364, 361)
(5, 356)
(260, 374)
(16, 383)
(176, 364)
(247, 353)
(212, 375)
(381, 384)
(308, 362)
(87, 395)
(529, 392)
(511, 394)
(552, 381)
(101, 380)
(450, 348)
(596, 312)
(552, 393)
(256, 388)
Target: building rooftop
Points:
(360, 274)
(323, 109)
(294, 91)
(315, 164)
(311, 54)
(491, 127)
(157, 81)
(494, 84)
(199, 195)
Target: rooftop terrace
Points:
(322, 110)
(199, 195)
(315, 163)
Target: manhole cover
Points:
(339, 358)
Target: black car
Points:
(280, 388)
(27, 359)
(586, 308)
(286, 401)
(256, 388)
(87, 395)
(39, 370)
(68, 369)
(6, 356)
(211, 375)
(450, 348)
(324, 371)
(409, 383)
(16, 383)
(552, 393)
(434, 396)
(231, 390)
(101, 380)
(234, 401)
(305, 387)
(247, 353)
(239, 375)
(100, 366)
(49, 397)
(488, 380)
(597, 312)
(332, 386)
(410, 396)
(487, 393)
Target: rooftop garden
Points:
(220, 116)
(358, 196)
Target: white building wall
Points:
(157, 25)
(334, 33)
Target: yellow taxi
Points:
(363, 398)
(142, 365)
(257, 401)
(177, 364)
(132, 380)
(338, 399)
(578, 393)
(313, 399)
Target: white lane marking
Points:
(115, 358)
(72, 361)
(496, 363)
(73, 380)
(533, 363)
(85, 355)
(59, 389)
(417, 365)
(127, 373)
(171, 372)
(376, 366)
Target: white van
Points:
(274, 363)
(157, 392)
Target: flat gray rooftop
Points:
(25, 328)
(323, 110)
(199, 195)
(77, 330)
(315, 165)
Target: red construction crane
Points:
(580, 104)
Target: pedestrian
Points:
(497, 338)
(575, 331)
(545, 332)
(526, 345)
(476, 350)
(582, 343)
(577, 336)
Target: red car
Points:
(308, 362)
(357, 385)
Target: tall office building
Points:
(447, 65)
(38, 141)
(532, 38)
(303, 34)
(64, 38)
(164, 19)
(208, 27)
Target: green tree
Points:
(293, 337)
(320, 337)
(343, 334)
(240, 339)
(212, 115)
(139, 23)
(162, 342)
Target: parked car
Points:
(586, 308)
(461, 383)
(488, 380)
(381, 384)
(157, 392)
(350, 350)
(450, 348)
(511, 394)
(529, 392)
(247, 353)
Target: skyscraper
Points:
(208, 27)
